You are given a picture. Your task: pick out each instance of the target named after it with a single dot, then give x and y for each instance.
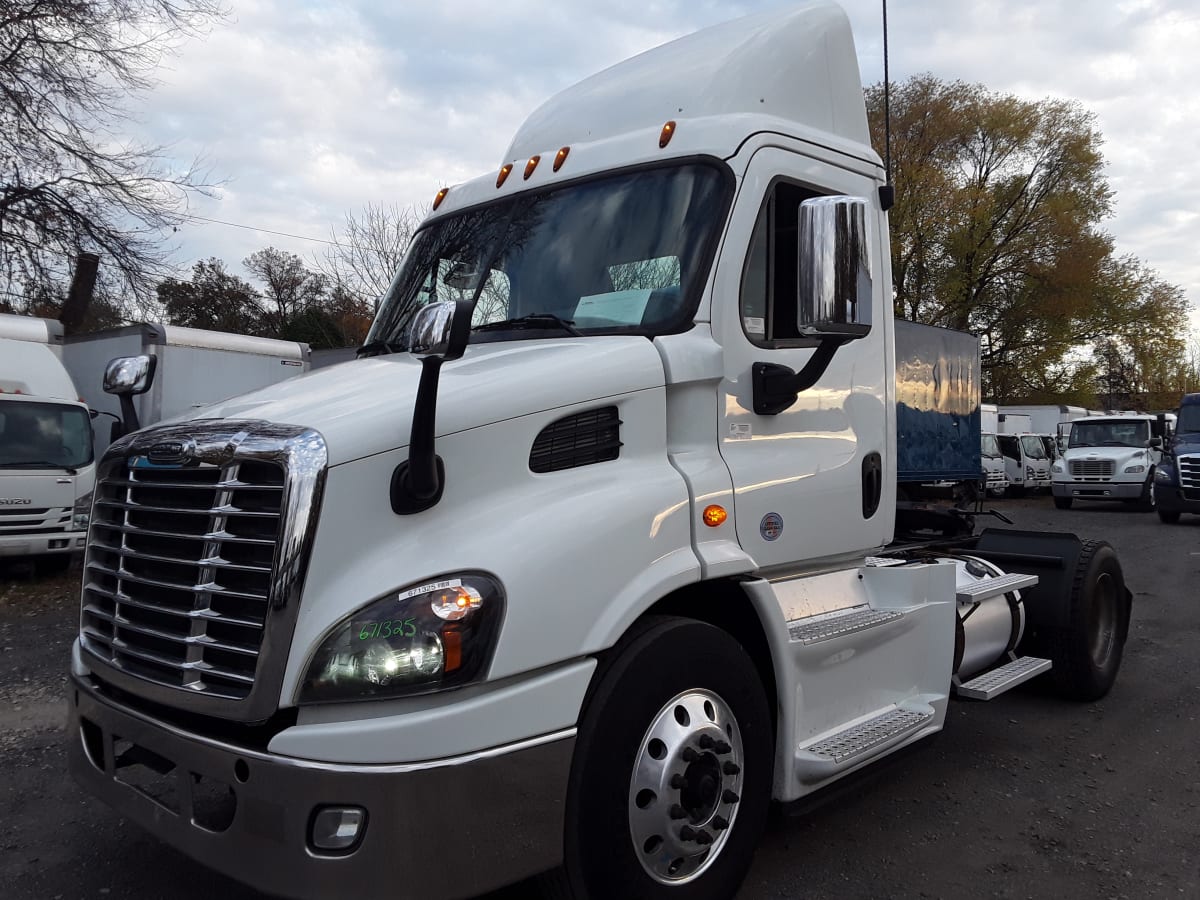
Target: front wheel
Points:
(672, 772)
(1148, 501)
(1062, 502)
(1170, 517)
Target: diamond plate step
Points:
(805, 631)
(996, 682)
(978, 591)
(857, 740)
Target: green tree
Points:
(997, 231)
(289, 288)
(212, 299)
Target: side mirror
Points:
(129, 374)
(835, 283)
(1155, 443)
(440, 330)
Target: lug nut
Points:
(706, 742)
(678, 782)
(677, 812)
(730, 768)
(687, 833)
(690, 755)
(720, 823)
(722, 748)
(703, 837)
(729, 796)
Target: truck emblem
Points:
(167, 452)
(771, 526)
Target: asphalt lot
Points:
(1023, 797)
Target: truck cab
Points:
(1110, 458)
(591, 556)
(994, 466)
(1177, 477)
(1026, 463)
(47, 468)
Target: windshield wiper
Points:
(533, 320)
(377, 348)
(39, 464)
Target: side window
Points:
(1010, 448)
(456, 280)
(771, 275)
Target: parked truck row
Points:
(592, 555)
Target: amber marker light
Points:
(715, 516)
(441, 195)
(531, 165)
(504, 170)
(561, 157)
(667, 133)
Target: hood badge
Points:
(166, 455)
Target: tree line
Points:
(998, 227)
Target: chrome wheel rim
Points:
(686, 787)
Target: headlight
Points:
(1058, 467)
(1133, 470)
(1029, 471)
(437, 635)
(81, 512)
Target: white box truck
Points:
(47, 466)
(995, 470)
(1111, 458)
(193, 368)
(590, 557)
(1026, 460)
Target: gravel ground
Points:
(1024, 797)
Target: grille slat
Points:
(577, 440)
(1189, 471)
(1092, 468)
(179, 572)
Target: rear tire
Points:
(631, 819)
(1087, 653)
(1170, 517)
(1062, 502)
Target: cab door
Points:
(816, 480)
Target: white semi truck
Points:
(1111, 458)
(590, 557)
(47, 466)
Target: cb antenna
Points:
(887, 193)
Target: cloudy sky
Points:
(305, 110)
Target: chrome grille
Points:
(1092, 468)
(1189, 471)
(179, 572)
(194, 568)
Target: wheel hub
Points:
(686, 787)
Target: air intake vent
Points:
(579, 440)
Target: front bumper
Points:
(1098, 490)
(42, 544)
(446, 828)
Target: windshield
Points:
(1189, 420)
(990, 447)
(37, 435)
(624, 253)
(1033, 447)
(1112, 433)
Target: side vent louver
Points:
(579, 440)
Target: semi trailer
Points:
(591, 556)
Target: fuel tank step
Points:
(985, 589)
(843, 749)
(997, 681)
(828, 627)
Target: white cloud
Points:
(310, 109)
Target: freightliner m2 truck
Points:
(1110, 458)
(1177, 478)
(590, 557)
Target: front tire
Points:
(1170, 517)
(1087, 653)
(1062, 502)
(1148, 500)
(673, 768)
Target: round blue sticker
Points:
(771, 526)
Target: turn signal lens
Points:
(667, 133)
(531, 165)
(441, 195)
(560, 158)
(504, 170)
(715, 515)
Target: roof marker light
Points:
(441, 195)
(560, 158)
(667, 132)
(504, 170)
(531, 165)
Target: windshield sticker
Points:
(622, 307)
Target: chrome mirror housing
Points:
(835, 278)
(127, 375)
(440, 330)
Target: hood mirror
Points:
(440, 330)
(128, 376)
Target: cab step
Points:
(843, 749)
(1005, 678)
(847, 621)
(978, 591)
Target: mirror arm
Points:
(418, 481)
(129, 416)
(776, 387)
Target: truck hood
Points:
(365, 406)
